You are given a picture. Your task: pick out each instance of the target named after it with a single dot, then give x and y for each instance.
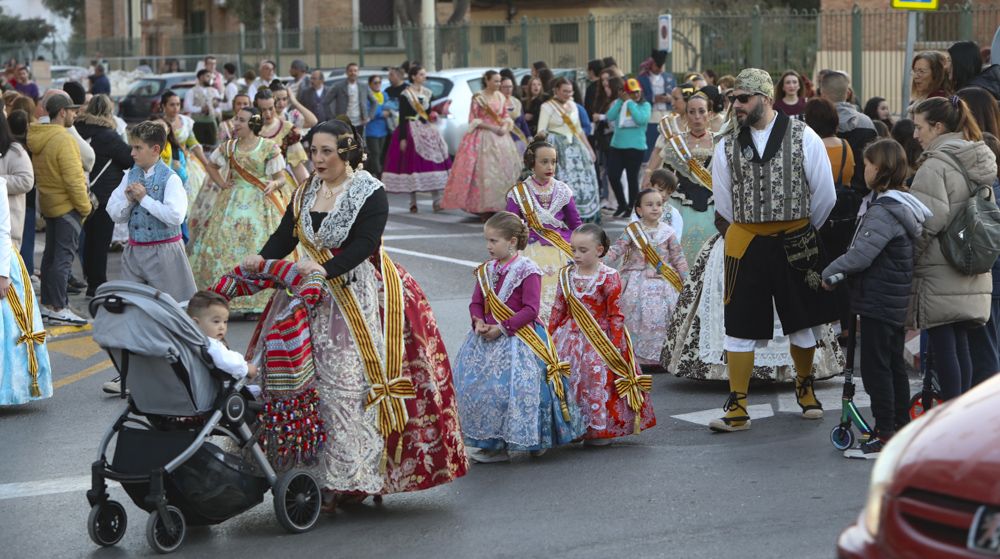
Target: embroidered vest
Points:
(772, 190)
(142, 226)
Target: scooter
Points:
(930, 394)
(842, 436)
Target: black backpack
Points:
(971, 242)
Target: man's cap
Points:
(755, 80)
(59, 102)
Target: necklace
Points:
(330, 191)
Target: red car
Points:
(935, 488)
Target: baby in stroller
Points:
(210, 311)
(179, 398)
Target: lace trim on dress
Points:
(561, 196)
(516, 273)
(337, 224)
(590, 283)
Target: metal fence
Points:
(868, 44)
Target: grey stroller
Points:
(176, 400)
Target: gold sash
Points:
(388, 387)
(274, 197)
(629, 385)
(481, 100)
(526, 202)
(567, 120)
(417, 105)
(543, 349)
(24, 315)
(638, 236)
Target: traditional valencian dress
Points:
(552, 217)
(513, 392)
(242, 217)
(25, 372)
(589, 331)
(486, 164)
(696, 331)
(574, 166)
(423, 165)
(384, 381)
(652, 269)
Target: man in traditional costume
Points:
(773, 184)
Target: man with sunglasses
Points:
(772, 183)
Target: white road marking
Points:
(439, 236)
(460, 262)
(44, 487)
(758, 411)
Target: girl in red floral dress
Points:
(589, 331)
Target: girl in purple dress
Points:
(547, 206)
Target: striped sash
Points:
(275, 197)
(526, 202)
(481, 100)
(24, 315)
(629, 385)
(638, 236)
(545, 350)
(388, 385)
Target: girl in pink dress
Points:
(589, 331)
(488, 161)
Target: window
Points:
(291, 24)
(377, 24)
(561, 33)
(492, 34)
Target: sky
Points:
(34, 8)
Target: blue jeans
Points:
(652, 134)
(952, 359)
(28, 239)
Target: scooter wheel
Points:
(106, 523)
(842, 437)
(159, 537)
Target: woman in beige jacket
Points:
(15, 167)
(946, 302)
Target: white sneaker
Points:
(489, 456)
(46, 312)
(113, 386)
(66, 316)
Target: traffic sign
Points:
(926, 5)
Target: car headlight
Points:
(882, 473)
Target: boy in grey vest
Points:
(152, 200)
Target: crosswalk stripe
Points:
(44, 487)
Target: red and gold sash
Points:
(567, 120)
(481, 100)
(638, 236)
(23, 312)
(417, 105)
(275, 197)
(545, 349)
(388, 385)
(526, 202)
(630, 384)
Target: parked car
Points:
(63, 74)
(935, 488)
(143, 98)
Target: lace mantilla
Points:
(516, 273)
(585, 286)
(561, 196)
(337, 224)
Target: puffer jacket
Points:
(941, 294)
(879, 261)
(108, 146)
(988, 79)
(15, 166)
(62, 185)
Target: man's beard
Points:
(753, 117)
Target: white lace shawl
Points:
(516, 274)
(337, 224)
(593, 282)
(561, 196)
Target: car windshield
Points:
(146, 88)
(440, 87)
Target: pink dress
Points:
(649, 300)
(486, 164)
(605, 414)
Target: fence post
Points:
(465, 44)
(524, 42)
(318, 45)
(591, 37)
(756, 41)
(361, 45)
(279, 42)
(965, 22)
(857, 71)
(239, 52)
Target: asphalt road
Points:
(778, 490)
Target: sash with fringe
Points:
(629, 385)
(638, 236)
(567, 120)
(545, 350)
(24, 315)
(481, 100)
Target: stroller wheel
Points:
(842, 437)
(297, 501)
(159, 537)
(106, 523)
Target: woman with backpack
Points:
(945, 300)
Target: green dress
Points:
(241, 220)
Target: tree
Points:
(73, 10)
